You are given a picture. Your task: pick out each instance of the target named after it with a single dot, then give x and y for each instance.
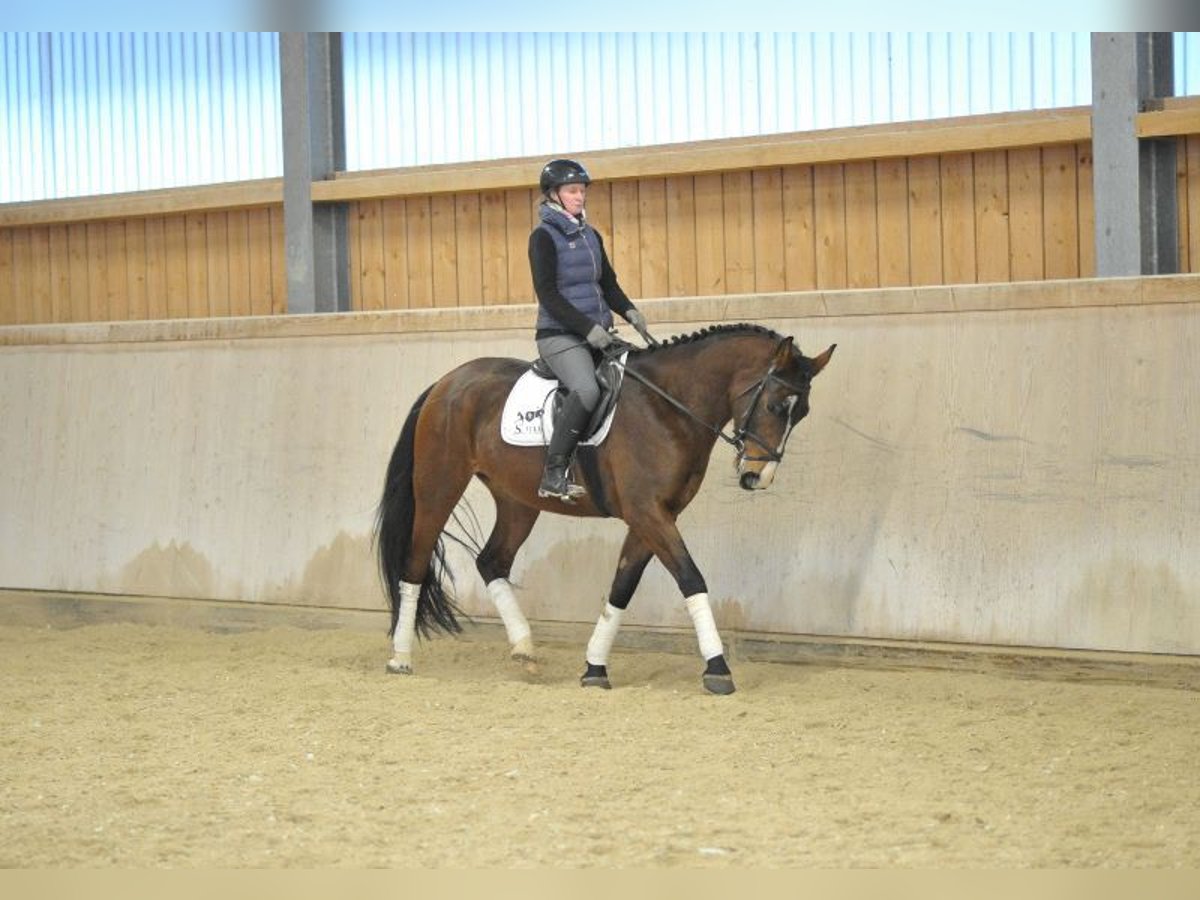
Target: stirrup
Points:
(567, 494)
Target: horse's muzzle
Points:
(756, 479)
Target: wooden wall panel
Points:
(799, 229)
(1025, 214)
(22, 267)
(891, 198)
(829, 216)
(770, 269)
(681, 237)
(117, 269)
(175, 249)
(1189, 204)
(1060, 199)
(39, 283)
(265, 255)
(482, 250)
(1085, 172)
(200, 264)
(419, 236)
(1184, 227)
(196, 238)
(218, 264)
(652, 249)
(156, 268)
(97, 282)
(444, 250)
(625, 246)
(476, 245)
(135, 282)
(277, 295)
(519, 219)
(862, 225)
(394, 215)
(8, 296)
(60, 275)
(925, 219)
(366, 252)
(989, 215)
(600, 214)
(958, 218)
(239, 264)
(710, 234)
(738, 193)
(599, 210)
(77, 265)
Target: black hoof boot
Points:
(717, 677)
(596, 676)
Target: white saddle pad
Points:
(526, 419)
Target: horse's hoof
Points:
(595, 676)
(522, 652)
(719, 684)
(396, 667)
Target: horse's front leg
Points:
(662, 536)
(634, 556)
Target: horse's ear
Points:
(818, 363)
(783, 353)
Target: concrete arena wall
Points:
(1012, 465)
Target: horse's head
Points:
(767, 411)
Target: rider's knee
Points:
(589, 395)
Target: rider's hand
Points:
(638, 321)
(599, 338)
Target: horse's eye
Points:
(777, 408)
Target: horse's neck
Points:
(703, 377)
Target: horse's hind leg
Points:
(635, 554)
(445, 485)
(513, 524)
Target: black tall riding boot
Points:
(568, 428)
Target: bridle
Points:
(741, 433)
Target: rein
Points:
(741, 434)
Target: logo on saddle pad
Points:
(528, 418)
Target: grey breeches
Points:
(570, 358)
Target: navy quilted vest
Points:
(578, 268)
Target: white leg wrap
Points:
(604, 635)
(402, 639)
(505, 600)
(515, 624)
(706, 628)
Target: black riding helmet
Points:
(558, 172)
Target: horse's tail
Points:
(393, 538)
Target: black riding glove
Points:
(638, 321)
(599, 338)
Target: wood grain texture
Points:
(1003, 210)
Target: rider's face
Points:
(572, 197)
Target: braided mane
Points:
(711, 331)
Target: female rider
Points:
(577, 294)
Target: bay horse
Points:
(676, 399)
